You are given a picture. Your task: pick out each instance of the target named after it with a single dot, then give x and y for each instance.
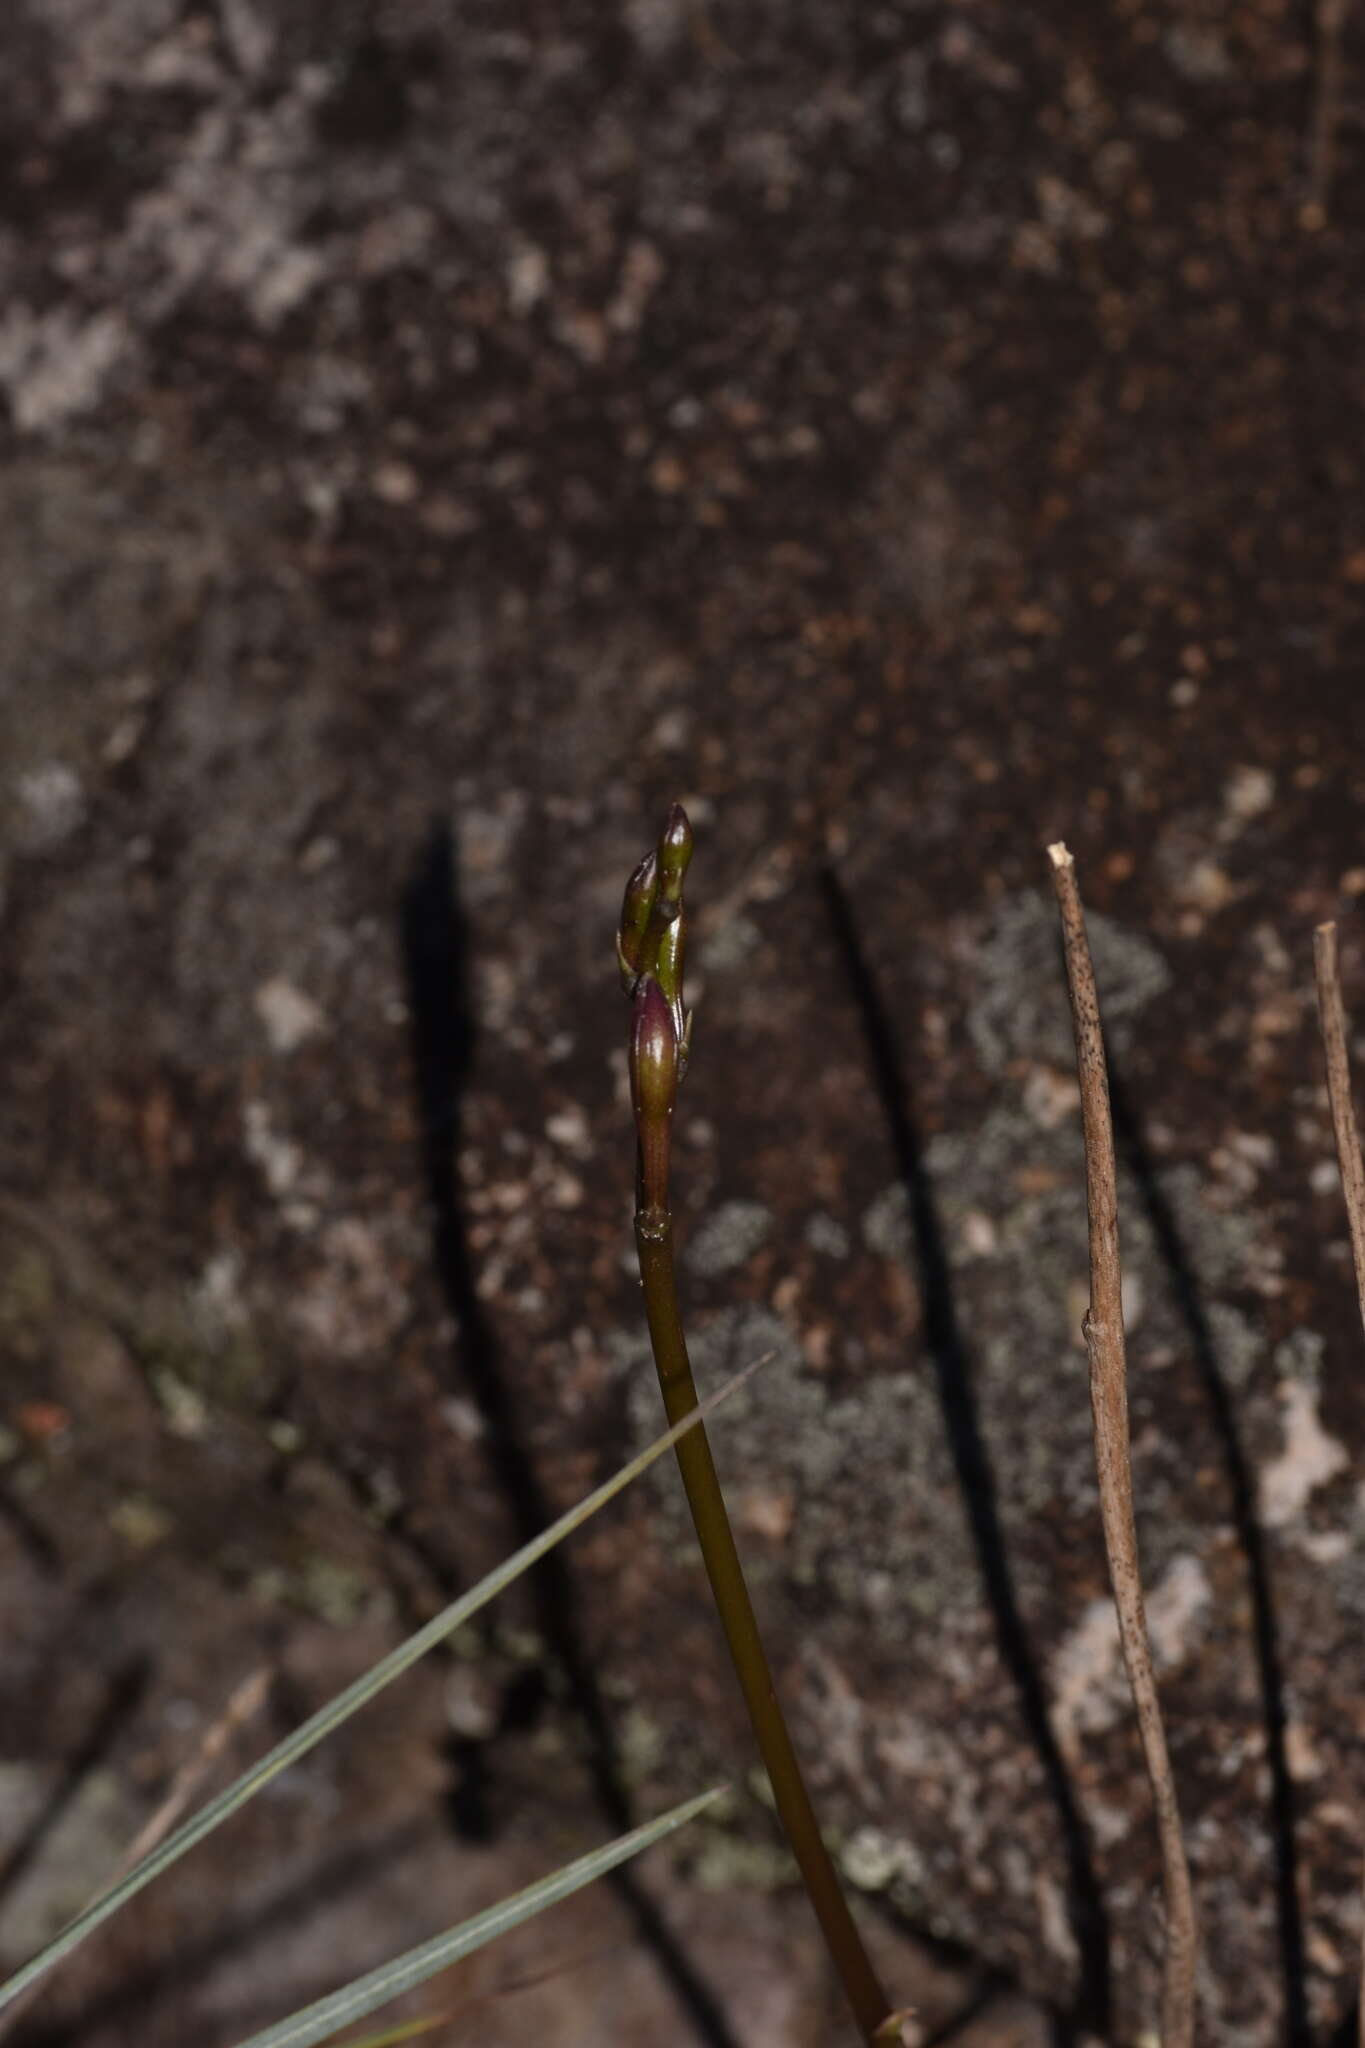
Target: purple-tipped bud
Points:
(675, 851)
(649, 949)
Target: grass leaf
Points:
(318, 2022)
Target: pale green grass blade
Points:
(351, 1700)
(318, 2022)
(491, 1994)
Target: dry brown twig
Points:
(1104, 1345)
(1332, 1018)
(243, 1704)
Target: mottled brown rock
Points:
(908, 435)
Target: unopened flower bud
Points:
(675, 851)
(641, 890)
(650, 946)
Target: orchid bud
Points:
(675, 851)
(652, 938)
(641, 891)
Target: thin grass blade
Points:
(348, 1702)
(318, 2022)
(492, 1994)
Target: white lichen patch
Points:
(279, 1159)
(56, 364)
(140, 1522)
(1090, 1691)
(1050, 1096)
(728, 1862)
(290, 1017)
(568, 1127)
(1021, 1012)
(730, 945)
(872, 1859)
(353, 1306)
(824, 1233)
(1082, 1676)
(217, 1302)
(978, 1236)
(886, 1224)
(1053, 1919)
(1309, 1459)
(184, 1408)
(1176, 1610)
(729, 1238)
(911, 1748)
(51, 806)
(1248, 793)
(837, 1455)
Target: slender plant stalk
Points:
(650, 952)
(1104, 1345)
(1332, 1018)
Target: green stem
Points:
(650, 947)
(654, 1244)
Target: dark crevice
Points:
(1346, 2034)
(951, 1361)
(436, 956)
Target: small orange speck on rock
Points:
(41, 1421)
(667, 475)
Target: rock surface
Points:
(908, 434)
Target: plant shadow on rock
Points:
(952, 1365)
(1347, 2032)
(436, 958)
(1185, 1290)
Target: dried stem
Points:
(650, 952)
(1109, 1406)
(1332, 1017)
